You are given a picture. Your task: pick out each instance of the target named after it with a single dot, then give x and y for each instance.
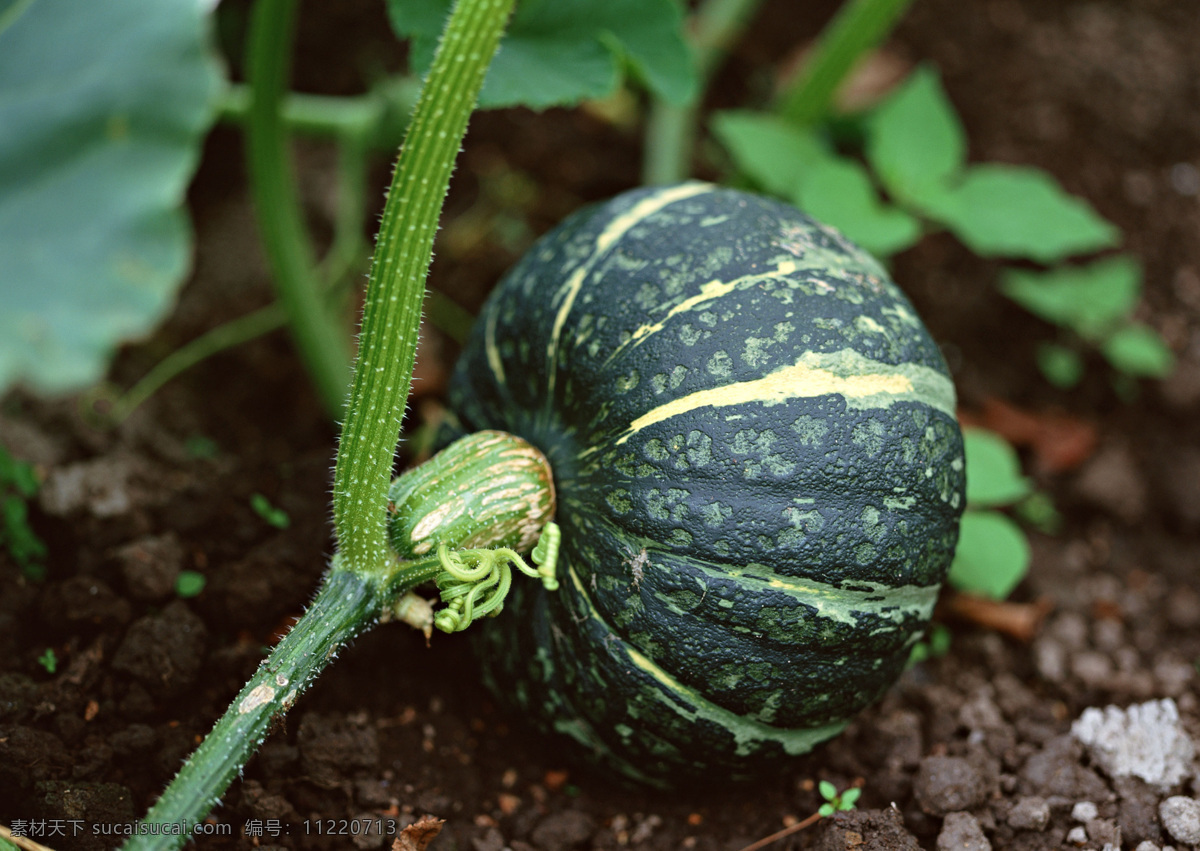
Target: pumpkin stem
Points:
(474, 582)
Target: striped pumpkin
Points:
(759, 478)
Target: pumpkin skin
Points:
(759, 474)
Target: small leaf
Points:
(1138, 350)
(826, 810)
(559, 52)
(849, 798)
(993, 470)
(103, 106)
(828, 790)
(993, 555)
(772, 152)
(1061, 366)
(838, 192)
(915, 137)
(189, 583)
(1089, 300)
(276, 517)
(1014, 211)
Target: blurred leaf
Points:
(1038, 511)
(276, 517)
(992, 557)
(838, 192)
(1014, 211)
(772, 152)
(993, 470)
(1138, 350)
(559, 52)
(189, 583)
(1061, 366)
(1087, 299)
(915, 138)
(103, 107)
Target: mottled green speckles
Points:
(656, 450)
(647, 297)
(758, 446)
(869, 435)
(618, 500)
(715, 514)
(708, 318)
(668, 504)
(871, 523)
(699, 448)
(802, 521)
(680, 538)
(756, 352)
(627, 382)
(720, 365)
(689, 335)
(811, 430)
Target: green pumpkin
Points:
(759, 477)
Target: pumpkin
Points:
(759, 478)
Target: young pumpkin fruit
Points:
(759, 478)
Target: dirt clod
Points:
(946, 784)
(164, 651)
(962, 832)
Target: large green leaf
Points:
(1015, 211)
(102, 109)
(915, 141)
(559, 52)
(1090, 299)
(1138, 350)
(838, 192)
(773, 152)
(993, 470)
(992, 556)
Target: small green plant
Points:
(49, 660)
(189, 583)
(889, 176)
(276, 517)
(993, 553)
(19, 484)
(836, 801)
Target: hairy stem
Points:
(486, 490)
(319, 337)
(392, 311)
(858, 27)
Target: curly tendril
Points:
(474, 583)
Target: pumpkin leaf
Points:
(772, 152)
(915, 139)
(993, 470)
(992, 557)
(1138, 350)
(1089, 300)
(1062, 367)
(559, 52)
(103, 106)
(1016, 211)
(839, 192)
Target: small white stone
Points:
(1144, 740)
(1077, 836)
(1084, 811)
(1181, 818)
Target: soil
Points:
(972, 749)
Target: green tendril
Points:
(473, 583)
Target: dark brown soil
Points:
(971, 748)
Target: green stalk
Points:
(232, 333)
(671, 129)
(395, 290)
(503, 489)
(455, 505)
(319, 337)
(859, 26)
